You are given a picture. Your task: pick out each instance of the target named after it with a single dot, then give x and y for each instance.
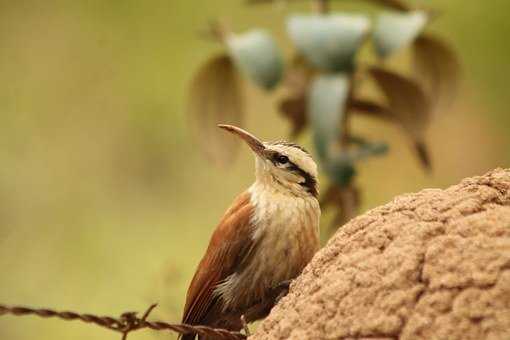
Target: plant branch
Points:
(320, 6)
(217, 31)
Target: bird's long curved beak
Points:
(253, 142)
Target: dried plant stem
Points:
(220, 30)
(217, 31)
(320, 6)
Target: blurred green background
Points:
(106, 204)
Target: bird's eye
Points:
(282, 159)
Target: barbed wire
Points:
(126, 323)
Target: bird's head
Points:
(284, 166)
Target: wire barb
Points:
(126, 323)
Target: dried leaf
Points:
(370, 108)
(345, 200)
(258, 56)
(215, 97)
(331, 196)
(406, 98)
(328, 42)
(393, 4)
(408, 104)
(256, 2)
(423, 155)
(394, 30)
(294, 109)
(377, 110)
(299, 75)
(437, 67)
(297, 81)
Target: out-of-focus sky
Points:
(106, 205)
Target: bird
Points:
(263, 241)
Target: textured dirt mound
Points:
(431, 265)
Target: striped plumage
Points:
(266, 237)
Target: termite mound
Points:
(429, 265)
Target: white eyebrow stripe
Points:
(290, 144)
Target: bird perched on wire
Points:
(265, 239)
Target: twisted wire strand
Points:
(127, 322)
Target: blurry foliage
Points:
(218, 86)
(322, 83)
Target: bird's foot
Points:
(280, 290)
(262, 308)
(245, 326)
(284, 284)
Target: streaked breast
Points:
(287, 236)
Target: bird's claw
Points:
(284, 284)
(280, 290)
(245, 326)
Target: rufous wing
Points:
(228, 249)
